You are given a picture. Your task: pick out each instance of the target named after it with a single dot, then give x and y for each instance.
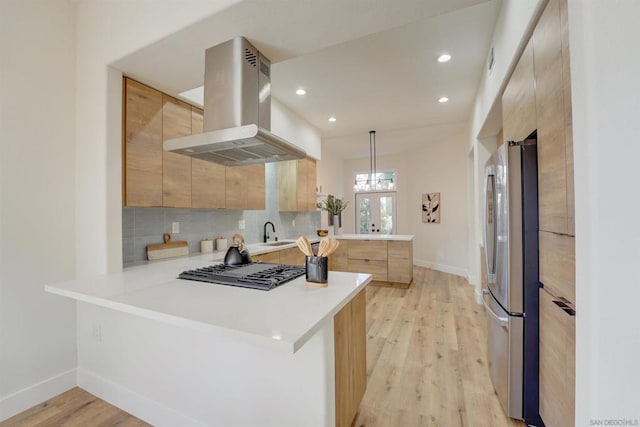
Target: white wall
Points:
(289, 125)
(604, 77)
(37, 79)
(438, 166)
(330, 173)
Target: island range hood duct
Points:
(237, 111)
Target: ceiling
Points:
(371, 64)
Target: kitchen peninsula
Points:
(176, 352)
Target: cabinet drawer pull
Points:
(366, 260)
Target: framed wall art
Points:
(431, 208)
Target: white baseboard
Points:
(478, 295)
(134, 403)
(26, 398)
(441, 267)
(473, 280)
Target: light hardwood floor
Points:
(74, 408)
(426, 365)
(426, 358)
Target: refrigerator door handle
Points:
(502, 321)
(489, 218)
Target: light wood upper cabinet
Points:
(176, 168)
(142, 147)
(297, 185)
(550, 110)
(207, 179)
(557, 362)
(245, 187)
(519, 100)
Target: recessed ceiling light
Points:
(444, 57)
(332, 119)
(301, 92)
(443, 99)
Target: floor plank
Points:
(426, 357)
(74, 408)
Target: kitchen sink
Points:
(279, 243)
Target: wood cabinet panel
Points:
(142, 145)
(552, 171)
(339, 260)
(312, 180)
(349, 327)
(399, 261)
(568, 117)
(236, 188)
(207, 179)
(297, 185)
(255, 186)
(292, 256)
(368, 249)
(519, 100)
(558, 264)
(273, 257)
(557, 363)
(176, 168)
(377, 268)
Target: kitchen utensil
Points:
(324, 246)
(304, 245)
(332, 247)
(168, 249)
(237, 252)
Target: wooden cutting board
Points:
(168, 249)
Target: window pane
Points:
(386, 214)
(365, 215)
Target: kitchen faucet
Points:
(266, 233)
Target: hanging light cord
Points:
(372, 155)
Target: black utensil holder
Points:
(317, 269)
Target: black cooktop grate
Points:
(256, 275)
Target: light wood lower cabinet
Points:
(557, 362)
(290, 256)
(385, 260)
(399, 261)
(349, 328)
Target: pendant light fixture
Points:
(373, 182)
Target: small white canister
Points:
(206, 246)
(221, 244)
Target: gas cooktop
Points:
(256, 275)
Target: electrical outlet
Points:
(97, 332)
(293, 222)
(175, 227)
(241, 224)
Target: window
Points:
(381, 181)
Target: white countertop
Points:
(286, 316)
(404, 237)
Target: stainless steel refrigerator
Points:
(511, 296)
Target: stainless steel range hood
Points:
(237, 111)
